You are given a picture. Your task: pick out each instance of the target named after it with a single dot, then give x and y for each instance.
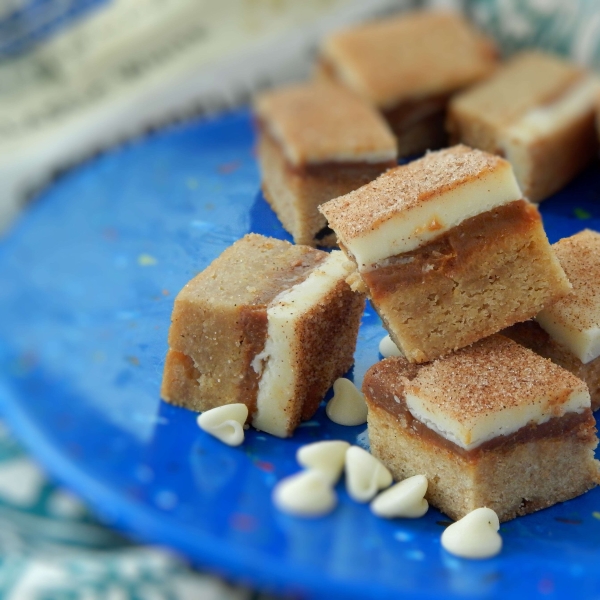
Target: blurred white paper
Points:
(135, 64)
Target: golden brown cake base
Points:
(532, 336)
(296, 193)
(492, 270)
(511, 478)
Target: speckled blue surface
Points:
(87, 282)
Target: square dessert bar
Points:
(537, 111)
(268, 324)
(493, 425)
(568, 331)
(408, 67)
(317, 141)
(447, 250)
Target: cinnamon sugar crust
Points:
(321, 122)
(532, 336)
(412, 56)
(407, 187)
(491, 376)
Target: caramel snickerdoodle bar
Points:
(538, 111)
(268, 324)
(568, 331)
(317, 141)
(447, 250)
(492, 425)
(408, 67)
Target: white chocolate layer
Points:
(473, 432)
(408, 229)
(279, 358)
(583, 343)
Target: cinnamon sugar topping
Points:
(491, 388)
(414, 203)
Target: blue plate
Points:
(88, 277)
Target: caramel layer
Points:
(385, 390)
(447, 251)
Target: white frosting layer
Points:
(279, 359)
(583, 343)
(470, 434)
(408, 229)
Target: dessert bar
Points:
(538, 111)
(317, 141)
(568, 331)
(267, 324)
(408, 67)
(447, 250)
(492, 425)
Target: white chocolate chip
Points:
(348, 406)
(474, 536)
(405, 499)
(365, 475)
(305, 494)
(225, 422)
(326, 457)
(387, 348)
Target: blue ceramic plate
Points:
(88, 277)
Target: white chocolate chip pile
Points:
(405, 499)
(387, 347)
(226, 423)
(474, 536)
(307, 494)
(348, 406)
(327, 457)
(365, 475)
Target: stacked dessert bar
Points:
(449, 253)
